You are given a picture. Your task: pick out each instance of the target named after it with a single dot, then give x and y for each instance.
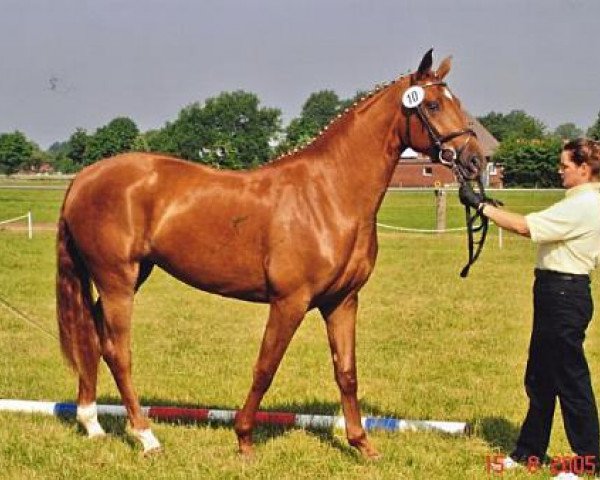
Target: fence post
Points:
(440, 209)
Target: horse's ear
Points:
(425, 65)
(444, 68)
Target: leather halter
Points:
(448, 156)
(439, 151)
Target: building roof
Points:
(487, 141)
(409, 153)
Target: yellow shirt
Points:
(568, 232)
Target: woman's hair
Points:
(584, 150)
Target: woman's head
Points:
(584, 150)
(580, 162)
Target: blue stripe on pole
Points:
(390, 424)
(65, 409)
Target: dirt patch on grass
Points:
(22, 227)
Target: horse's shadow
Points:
(497, 432)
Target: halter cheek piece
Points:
(448, 156)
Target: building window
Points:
(491, 169)
(427, 171)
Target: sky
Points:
(68, 64)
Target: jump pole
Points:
(172, 414)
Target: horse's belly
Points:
(222, 280)
(232, 268)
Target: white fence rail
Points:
(27, 217)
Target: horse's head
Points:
(437, 125)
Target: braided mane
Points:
(377, 89)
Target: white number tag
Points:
(413, 97)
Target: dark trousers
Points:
(557, 367)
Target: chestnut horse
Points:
(298, 233)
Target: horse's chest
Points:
(359, 263)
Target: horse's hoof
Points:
(97, 435)
(152, 452)
(148, 440)
(246, 452)
(371, 455)
(87, 417)
(368, 451)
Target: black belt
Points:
(562, 276)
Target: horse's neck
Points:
(365, 148)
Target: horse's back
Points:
(117, 189)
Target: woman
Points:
(568, 235)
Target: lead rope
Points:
(475, 246)
(26, 318)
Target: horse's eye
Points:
(433, 106)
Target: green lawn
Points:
(430, 346)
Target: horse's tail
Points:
(74, 303)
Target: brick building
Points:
(417, 170)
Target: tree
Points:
(530, 163)
(140, 144)
(15, 151)
(58, 148)
(117, 136)
(594, 131)
(317, 111)
(162, 140)
(76, 147)
(60, 154)
(229, 131)
(36, 159)
(64, 164)
(568, 131)
(516, 124)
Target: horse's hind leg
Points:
(116, 293)
(341, 327)
(87, 414)
(284, 317)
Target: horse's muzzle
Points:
(470, 165)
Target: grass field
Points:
(430, 346)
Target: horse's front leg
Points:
(284, 317)
(341, 328)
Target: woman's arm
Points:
(508, 220)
